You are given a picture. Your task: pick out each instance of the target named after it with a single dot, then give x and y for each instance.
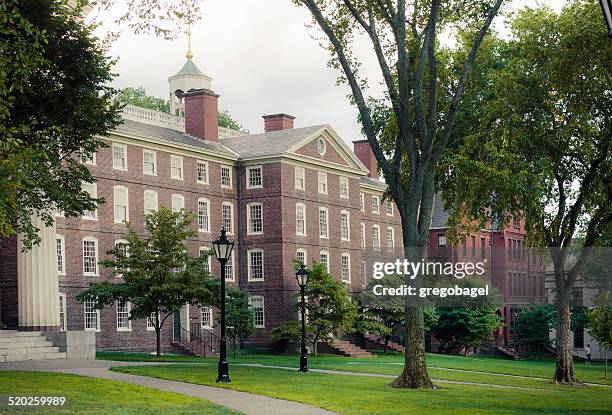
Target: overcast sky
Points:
(262, 59)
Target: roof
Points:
(371, 182)
(270, 143)
(189, 69)
(138, 128)
(439, 216)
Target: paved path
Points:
(247, 403)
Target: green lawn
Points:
(354, 395)
(97, 396)
(392, 365)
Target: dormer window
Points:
(321, 146)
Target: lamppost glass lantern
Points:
(606, 7)
(302, 278)
(223, 252)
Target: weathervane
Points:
(189, 52)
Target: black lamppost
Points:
(606, 7)
(302, 278)
(223, 251)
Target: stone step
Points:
(33, 356)
(30, 350)
(22, 345)
(11, 333)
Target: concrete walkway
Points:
(247, 403)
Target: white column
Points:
(37, 282)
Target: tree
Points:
(599, 326)
(421, 110)
(158, 275)
(464, 327)
(286, 333)
(239, 318)
(541, 152)
(138, 97)
(533, 325)
(328, 305)
(55, 104)
(226, 120)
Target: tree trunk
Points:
(606, 365)
(564, 370)
(158, 340)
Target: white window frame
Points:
(97, 268)
(207, 261)
(375, 241)
(326, 234)
(322, 183)
(231, 276)
(180, 167)
(363, 235)
(362, 201)
(85, 313)
(206, 172)
(363, 274)
(389, 207)
(325, 254)
(229, 170)
(231, 205)
(150, 320)
(259, 298)
(348, 269)
(155, 196)
(125, 157)
(63, 315)
(144, 170)
(209, 323)
(300, 207)
(174, 197)
(347, 237)
(376, 199)
(250, 253)
(205, 226)
(304, 252)
(129, 322)
(91, 215)
(343, 183)
(91, 160)
(391, 246)
(127, 252)
(302, 173)
(249, 171)
(250, 222)
(62, 246)
(127, 203)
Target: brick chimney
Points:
(275, 122)
(202, 114)
(364, 152)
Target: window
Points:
(150, 201)
(362, 202)
(257, 305)
(88, 159)
(300, 219)
(345, 267)
(226, 176)
(363, 235)
(227, 215)
(323, 223)
(376, 237)
(364, 277)
(202, 172)
(389, 207)
(178, 203)
(344, 226)
(464, 243)
(229, 268)
(442, 244)
(207, 317)
(61, 259)
(344, 187)
(119, 157)
(300, 178)
(205, 252)
(322, 182)
(176, 167)
(62, 312)
(151, 321)
(301, 255)
(256, 266)
(483, 249)
(203, 215)
(390, 239)
(254, 177)
(92, 190)
(579, 338)
(122, 245)
(255, 218)
(324, 259)
(149, 162)
(92, 316)
(321, 146)
(375, 204)
(121, 204)
(90, 256)
(473, 247)
(576, 298)
(123, 316)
